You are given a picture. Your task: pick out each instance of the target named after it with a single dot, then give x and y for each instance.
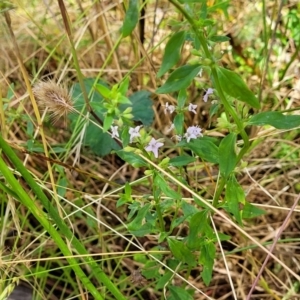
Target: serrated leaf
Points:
(181, 78)
(205, 149)
(172, 52)
(131, 18)
(227, 155)
(275, 119)
(232, 84)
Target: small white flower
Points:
(172, 126)
(114, 131)
(177, 137)
(134, 132)
(200, 72)
(193, 132)
(192, 107)
(153, 146)
(169, 108)
(208, 92)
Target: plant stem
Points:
(228, 108)
(57, 221)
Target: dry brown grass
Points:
(271, 180)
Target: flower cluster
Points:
(192, 132)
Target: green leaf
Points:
(132, 158)
(54, 224)
(131, 18)
(191, 1)
(108, 120)
(179, 293)
(163, 280)
(6, 6)
(188, 209)
(250, 211)
(103, 90)
(219, 38)
(182, 160)
(275, 119)
(227, 155)
(62, 186)
(205, 148)
(234, 196)
(181, 252)
(172, 52)
(123, 87)
(181, 78)
(141, 104)
(232, 84)
(151, 270)
(179, 122)
(181, 99)
(142, 230)
(161, 183)
(207, 255)
(197, 226)
(124, 100)
(138, 220)
(100, 143)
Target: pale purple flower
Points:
(114, 131)
(192, 133)
(153, 146)
(208, 92)
(169, 108)
(134, 132)
(192, 107)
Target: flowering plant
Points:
(185, 145)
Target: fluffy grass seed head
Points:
(54, 97)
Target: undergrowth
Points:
(150, 149)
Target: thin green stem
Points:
(57, 220)
(228, 108)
